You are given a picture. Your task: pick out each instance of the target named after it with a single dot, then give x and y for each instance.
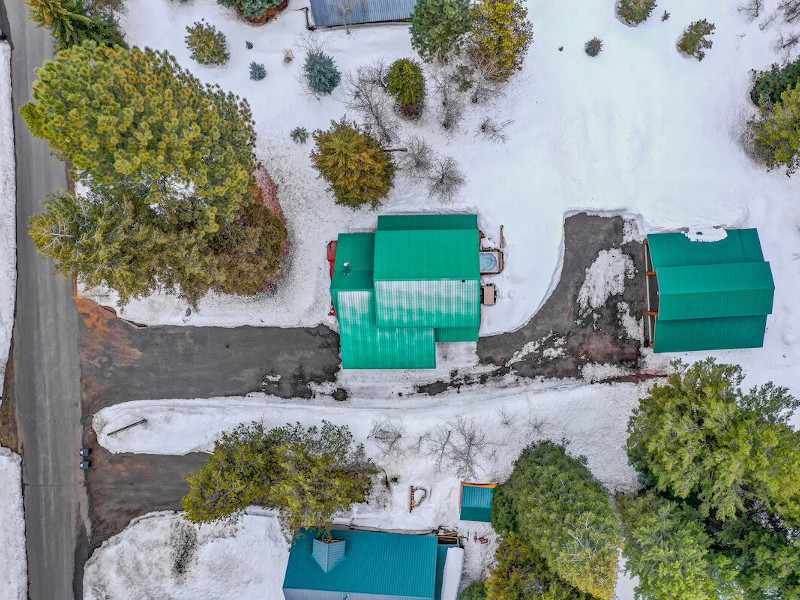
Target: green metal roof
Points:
(476, 503)
(676, 249)
(358, 249)
(388, 222)
(708, 291)
(385, 565)
(427, 303)
(427, 254)
(441, 558)
(367, 346)
(712, 295)
(710, 334)
(457, 334)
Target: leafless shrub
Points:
(791, 10)
(787, 42)
(752, 10)
(451, 106)
(493, 130)
(343, 9)
(535, 426)
(419, 158)
(365, 95)
(387, 435)
(486, 85)
(445, 179)
(288, 55)
(467, 446)
(768, 20)
(437, 444)
(506, 417)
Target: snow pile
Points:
(161, 555)
(706, 234)
(8, 205)
(14, 574)
(605, 277)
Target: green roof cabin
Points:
(476, 501)
(413, 282)
(365, 565)
(707, 295)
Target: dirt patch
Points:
(8, 424)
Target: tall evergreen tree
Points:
(700, 437)
(358, 170)
(438, 27)
(70, 23)
(776, 132)
(553, 502)
(500, 36)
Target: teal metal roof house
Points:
(707, 295)
(398, 291)
(476, 501)
(364, 565)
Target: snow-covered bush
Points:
(634, 12)
(208, 46)
(257, 71)
(321, 73)
(593, 46)
(693, 42)
(406, 83)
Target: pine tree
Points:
(308, 474)
(321, 72)
(207, 45)
(136, 117)
(357, 169)
(438, 27)
(406, 83)
(71, 24)
(501, 35)
(668, 549)
(700, 437)
(776, 132)
(694, 40)
(521, 573)
(553, 502)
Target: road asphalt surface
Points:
(46, 376)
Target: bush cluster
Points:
(635, 11)
(321, 72)
(769, 85)
(406, 83)
(208, 46)
(693, 42)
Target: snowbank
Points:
(161, 555)
(8, 206)
(14, 574)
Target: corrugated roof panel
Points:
(358, 249)
(710, 334)
(427, 254)
(329, 13)
(421, 222)
(366, 346)
(457, 334)
(454, 303)
(476, 503)
(675, 249)
(328, 554)
(441, 559)
(384, 564)
(722, 290)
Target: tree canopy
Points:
(500, 36)
(438, 27)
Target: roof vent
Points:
(346, 269)
(328, 553)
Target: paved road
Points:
(46, 379)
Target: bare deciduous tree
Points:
(419, 157)
(445, 179)
(791, 10)
(343, 9)
(493, 130)
(387, 435)
(787, 42)
(752, 10)
(451, 105)
(768, 20)
(365, 95)
(467, 446)
(437, 444)
(506, 416)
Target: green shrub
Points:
(208, 45)
(252, 9)
(769, 85)
(593, 46)
(474, 591)
(406, 83)
(693, 41)
(438, 27)
(635, 11)
(321, 72)
(257, 71)
(299, 135)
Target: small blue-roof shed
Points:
(330, 13)
(362, 565)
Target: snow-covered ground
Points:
(13, 576)
(8, 206)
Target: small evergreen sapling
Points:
(299, 135)
(257, 71)
(248, 45)
(593, 46)
(406, 83)
(634, 12)
(321, 72)
(693, 42)
(208, 46)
